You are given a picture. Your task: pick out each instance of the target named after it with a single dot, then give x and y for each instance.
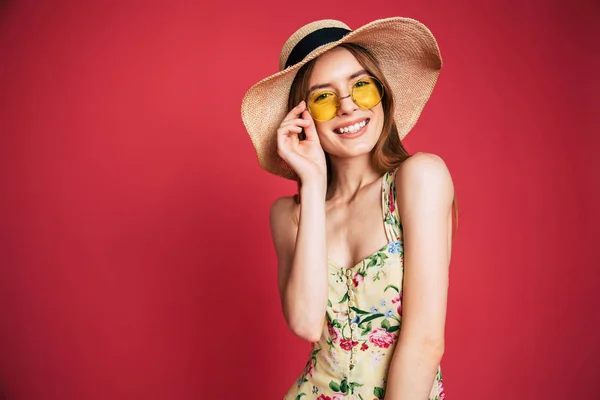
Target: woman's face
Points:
(338, 70)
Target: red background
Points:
(136, 261)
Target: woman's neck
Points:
(350, 175)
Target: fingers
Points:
(286, 141)
(298, 121)
(288, 132)
(293, 129)
(310, 130)
(296, 111)
(292, 126)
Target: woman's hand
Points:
(305, 157)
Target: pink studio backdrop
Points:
(135, 256)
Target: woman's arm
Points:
(425, 195)
(302, 259)
(301, 246)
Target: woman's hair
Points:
(389, 152)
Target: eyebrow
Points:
(326, 85)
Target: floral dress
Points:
(363, 319)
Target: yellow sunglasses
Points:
(366, 93)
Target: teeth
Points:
(353, 128)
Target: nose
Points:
(347, 105)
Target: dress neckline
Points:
(384, 211)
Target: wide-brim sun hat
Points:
(405, 49)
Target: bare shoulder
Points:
(283, 211)
(425, 174)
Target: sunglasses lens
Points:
(323, 105)
(367, 92)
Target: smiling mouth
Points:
(352, 128)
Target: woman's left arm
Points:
(424, 195)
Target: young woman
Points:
(364, 247)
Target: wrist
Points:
(316, 187)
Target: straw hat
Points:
(408, 56)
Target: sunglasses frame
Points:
(351, 95)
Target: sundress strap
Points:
(391, 218)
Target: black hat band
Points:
(313, 40)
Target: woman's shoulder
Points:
(424, 169)
(284, 208)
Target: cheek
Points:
(326, 137)
(380, 112)
(324, 131)
(379, 119)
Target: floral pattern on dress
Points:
(362, 322)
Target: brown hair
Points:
(389, 152)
